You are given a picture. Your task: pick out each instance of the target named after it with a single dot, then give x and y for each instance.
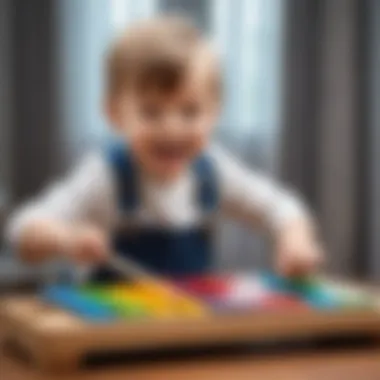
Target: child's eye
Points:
(151, 112)
(190, 111)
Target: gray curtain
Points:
(33, 131)
(327, 131)
(5, 115)
(374, 139)
(29, 138)
(28, 99)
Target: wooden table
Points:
(350, 364)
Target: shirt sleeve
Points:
(86, 194)
(254, 198)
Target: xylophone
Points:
(206, 294)
(75, 320)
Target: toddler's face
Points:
(166, 132)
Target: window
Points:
(247, 33)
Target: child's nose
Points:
(172, 124)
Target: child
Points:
(154, 198)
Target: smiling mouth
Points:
(170, 151)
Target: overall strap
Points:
(208, 189)
(125, 172)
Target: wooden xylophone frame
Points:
(58, 341)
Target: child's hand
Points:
(298, 250)
(44, 238)
(87, 244)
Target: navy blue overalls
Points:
(172, 253)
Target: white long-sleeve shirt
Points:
(88, 194)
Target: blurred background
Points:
(302, 103)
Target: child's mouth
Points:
(171, 153)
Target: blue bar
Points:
(71, 299)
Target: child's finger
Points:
(292, 263)
(90, 246)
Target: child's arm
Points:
(71, 217)
(263, 203)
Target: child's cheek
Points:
(132, 130)
(203, 132)
(199, 142)
(139, 139)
